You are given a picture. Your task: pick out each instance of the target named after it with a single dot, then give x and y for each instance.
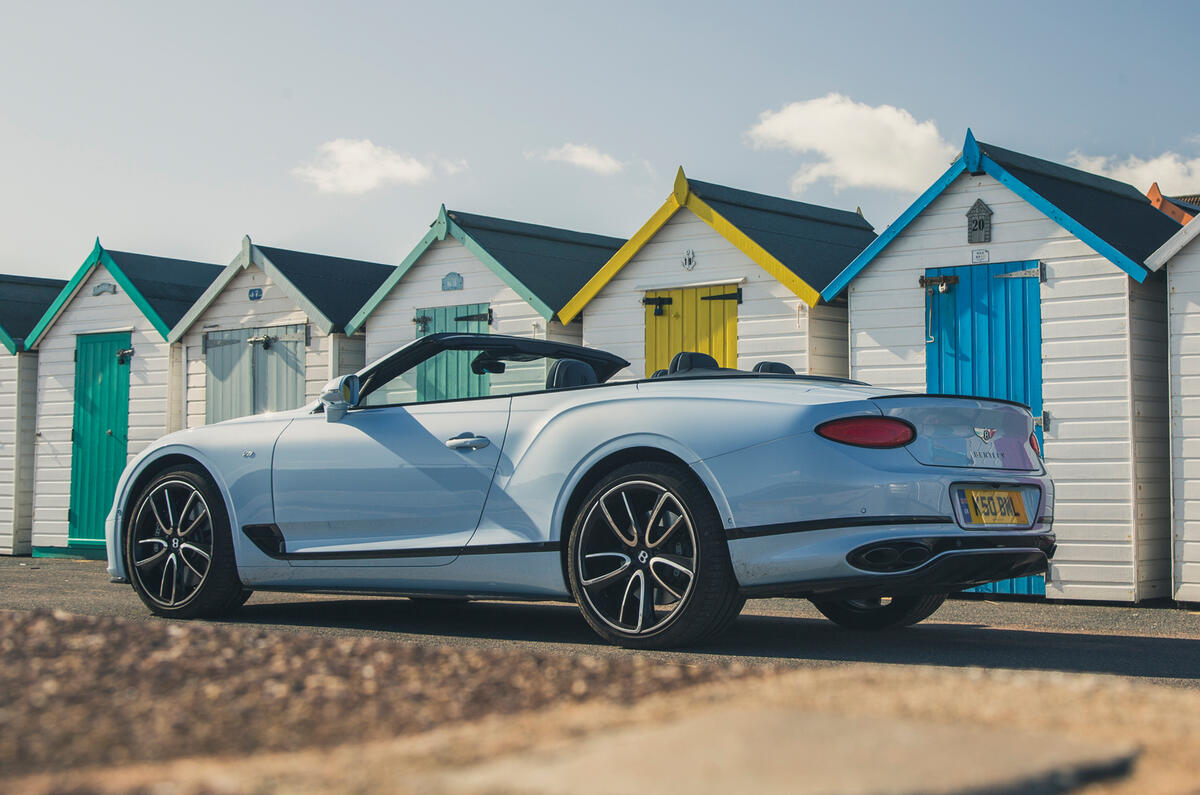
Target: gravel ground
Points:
(81, 690)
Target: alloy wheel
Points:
(171, 543)
(637, 557)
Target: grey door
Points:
(253, 370)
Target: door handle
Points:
(109, 432)
(468, 441)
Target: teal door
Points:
(983, 337)
(99, 435)
(448, 376)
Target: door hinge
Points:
(479, 318)
(657, 303)
(734, 296)
(72, 436)
(940, 282)
(1037, 272)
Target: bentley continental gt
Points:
(482, 466)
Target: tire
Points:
(175, 524)
(650, 531)
(870, 614)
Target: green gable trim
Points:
(98, 257)
(68, 291)
(494, 265)
(9, 343)
(435, 234)
(443, 227)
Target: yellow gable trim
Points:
(619, 260)
(682, 196)
(753, 250)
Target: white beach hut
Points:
(105, 376)
(1019, 278)
(23, 300)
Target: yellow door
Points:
(696, 319)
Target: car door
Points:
(390, 485)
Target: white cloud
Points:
(859, 145)
(1174, 173)
(452, 167)
(582, 155)
(349, 165)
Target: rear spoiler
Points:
(953, 397)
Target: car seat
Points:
(688, 360)
(774, 367)
(566, 373)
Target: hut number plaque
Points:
(452, 281)
(979, 223)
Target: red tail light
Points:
(877, 432)
(1033, 442)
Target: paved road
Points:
(1150, 644)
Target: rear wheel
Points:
(880, 613)
(178, 547)
(648, 562)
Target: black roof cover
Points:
(336, 286)
(553, 264)
(23, 301)
(1115, 212)
(170, 286)
(815, 243)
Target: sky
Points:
(339, 128)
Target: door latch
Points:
(422, 322)
(124, 355)
(1042, 422)
(940, 282)
(658, 304)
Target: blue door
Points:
(983, 337)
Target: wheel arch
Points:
(593, 471)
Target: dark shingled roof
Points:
(815, 243)
(170, 286)
(337, 287)
(1116, 212)
(23, 301)
(553, 264)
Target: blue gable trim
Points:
(975, 160)
(878, 244)
(1135, 270)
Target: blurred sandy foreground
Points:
(101, 705)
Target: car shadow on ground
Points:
(772, 639)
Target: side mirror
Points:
(338, 396)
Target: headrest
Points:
(774, 367)
(658, 373)
(570, 372)
(687, 360)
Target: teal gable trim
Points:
(68, 291)
(971, 155)
(1135, 270)
(8, 342)
(899, 225)
(443, 227)
(494, 265)
(432, 236)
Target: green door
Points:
(448, 375)
(99, 434)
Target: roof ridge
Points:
(326, 256)
(541, 231)
(1064, 173)
(852, 218)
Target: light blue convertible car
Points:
(492, 467)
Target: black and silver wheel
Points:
(647, 559)
(178, 549)
(880, 612)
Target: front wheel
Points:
(648, 561)
(880, 613)
(178, 547)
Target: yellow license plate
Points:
(995, 506)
